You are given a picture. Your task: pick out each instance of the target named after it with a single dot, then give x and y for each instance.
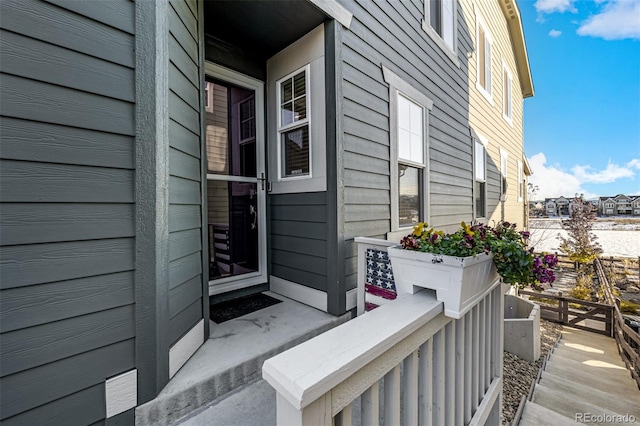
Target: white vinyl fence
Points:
(403, 363)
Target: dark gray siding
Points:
(390, 34)
(185, 234)
(299, 238)
(67, 215)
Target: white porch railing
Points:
(402, 363)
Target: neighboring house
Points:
(560, 206)
(625, 205)
(156, 154)
(499, 79)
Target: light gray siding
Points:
(185, 171)
(390, 34)
(67, 216)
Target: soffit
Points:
(514, 23)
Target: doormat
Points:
(230, 309)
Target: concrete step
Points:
(615, 398)
(592, 373)
(583, 353)
(537, 415)
(588, 338)
(569, 405)
(252, 405)
(232, 357)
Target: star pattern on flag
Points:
(379, 272)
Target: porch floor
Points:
(233, 356)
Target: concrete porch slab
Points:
(233, 356)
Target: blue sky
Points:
(582, 127)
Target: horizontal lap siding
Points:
(390, 34)
(486, 118)
(185, 198)
(299, 238)
(67, 217)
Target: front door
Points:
(234, 121)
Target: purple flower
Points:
(525, 234)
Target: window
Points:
(293, 125)
(409, 152)
(503, 174)
(506, 94)
(480, 176)
(440, 24)
(296, 133)
(483, 55)
(520, 181)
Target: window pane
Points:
(404, 144)
(286, 112)
(480, 199)
(299, 85)
(481, 57)
(286, 91)
(409, 195)
(487, 65)
(410, 130)
(300, 108)
(448, 18)
(295, 152)
(435, 15)
(480, 161)
(416, 119)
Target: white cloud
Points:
(555, 33)
(619, 19)
(553, 181)
(550, 6)
(610, 174)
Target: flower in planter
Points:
(516, 263)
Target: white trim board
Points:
(352, 299)
(309, 296)
(180, 353)
(121, 393)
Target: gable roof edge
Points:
(514, 23)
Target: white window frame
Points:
(487, 92)
(306, 51)
(504, 173)
(507, 88)
(520, 189)
(399, 87)
(295, 124)
(481, 140)
(450, 50)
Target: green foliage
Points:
(516, 263)
(627, 307)
(581, 245)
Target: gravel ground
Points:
(518, 374)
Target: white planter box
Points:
(459, 282)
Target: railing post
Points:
(316, 413)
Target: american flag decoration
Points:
(379, 273)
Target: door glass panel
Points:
(231, 130)
(233, 228)
(232, 205)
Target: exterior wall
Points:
(67, 190)
(485, 117)
(185, 170)
(390, 34)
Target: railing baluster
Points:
(475, 385)
(468, 365)
(425, 386)
(370, 405)
(482, 340)
(450, 366)
(460, 365)
(392, 397)
(410, 388)
(439, 378)
(489, 347)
